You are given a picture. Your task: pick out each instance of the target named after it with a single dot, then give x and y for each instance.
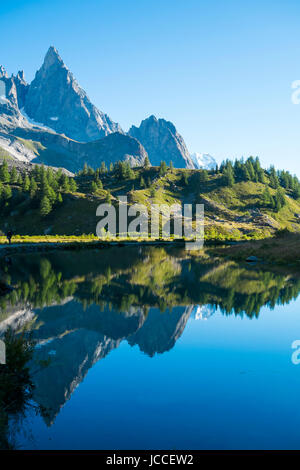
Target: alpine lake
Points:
(154, 348)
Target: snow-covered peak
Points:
(203, 161)
(203, 312)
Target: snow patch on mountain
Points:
(34, 123)
(203, 161)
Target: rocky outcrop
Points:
(159, 333)
(21, 87)
(55, 99)
(162, 142)
(52, 121)
(27, 141)
(113, 148)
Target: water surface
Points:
(152, 348)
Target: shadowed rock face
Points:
(60, 151)
(73, 123)
(160, 332)
(71, 358)
(21, 87)
(75, 340)
(54, 111)
(55, 99)
(162, 142)
(111, 149)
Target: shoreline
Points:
(281, 250)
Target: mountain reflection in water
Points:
(80, 305)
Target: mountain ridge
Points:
(54, 112)
(71, 112)
(162, 142)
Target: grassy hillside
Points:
(238, 209)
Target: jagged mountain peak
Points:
(162, 142)
(151, 118)
(53, 59)
(21, 76)
(52, 55)
(55, 99)
(3, 72)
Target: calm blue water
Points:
(228, 383)
(191, 376)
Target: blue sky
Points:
(220, 71)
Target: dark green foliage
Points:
(123, 171)
(228, 175)
(15, 383)
(4, 173)
(163, 168)
(45, 206)
(147, 162)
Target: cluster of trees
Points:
(240, 170)
(43, 185)
(46, 186)
(276, 202)
(89, 171)
(120, 170)
(251, 170)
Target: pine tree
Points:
(202, 176)
(4, 173)
(279, 199)
(228, 176)
(146, 162)
(162, 168)
(266, 197)
(7, 193)
(73, 185)
(274, 181)
(45, 206)
(65, 184)
(26, 183)
(33, 187)
(13, 175)
(261, 176)
(108, 197)
(296, 192)
(85, 169)
(142, 183)
(93, 187)
(103, 168)
(20, 180)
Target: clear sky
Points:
(221, 71)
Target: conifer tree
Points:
(4, 173)
(146, 162)
(45, 206)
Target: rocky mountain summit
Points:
(162, 142)
(55, 99)
(52, 121)
(29, 131)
